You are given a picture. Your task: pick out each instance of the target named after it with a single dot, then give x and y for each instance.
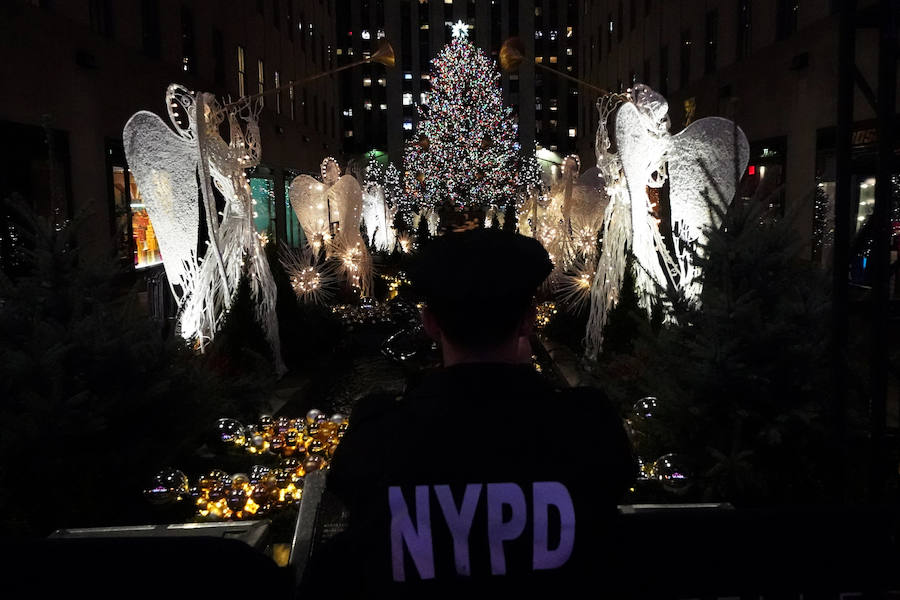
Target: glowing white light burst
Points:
(311, 281)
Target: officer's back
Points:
(482, 477)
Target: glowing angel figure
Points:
(310, 201)
(329, 212)
(702, 163)
(167, 167)
(583, 206)
(378, 217)
(237, 240)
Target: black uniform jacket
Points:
(483, 478)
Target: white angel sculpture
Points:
(702, 164)
(167, 166)
(329, 212)
(378, 217)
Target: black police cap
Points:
(480, 268)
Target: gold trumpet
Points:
(383, 55)
(512, 53)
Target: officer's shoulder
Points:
(587, 398)
(374, 407)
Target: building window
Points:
(101, 17)
(407, 99)
(218, 44)
(685, 57)
(150, 27)
(621, 21)
(289, 17)
(712, 39)
(300, 28)
(786, 18)
(382, 106)
(553, 60)
(261, 80)
(367, 104)
(135, 228)
(348, 133)
(744, 29)
(305, 107)
(367, 82)
(610, 26)
(242, 90)
(572, 132)
(664, 70)
(278, 93)
(187, 41)
(382, 81)
(293, 103)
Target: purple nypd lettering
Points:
(412, 533)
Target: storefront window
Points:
(262, 190)
(866, 202)
(134, 232)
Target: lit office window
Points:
(382, 81)
(382, 106)
(241, 72)
(407, 99)
(553, 60)
(277, 94)
(293, 103)
(367, 105)
(407, 125)
(365, 34)
(261, 79)
(348, 133)
(367, 82)
(572, 132)
(407, 76)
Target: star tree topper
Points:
(460, 30)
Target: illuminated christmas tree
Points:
(465, 151)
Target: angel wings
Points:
(169, 167)
(702, 165)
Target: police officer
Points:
(483, 478)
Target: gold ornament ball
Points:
(231, 431)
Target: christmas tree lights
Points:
(464, 151)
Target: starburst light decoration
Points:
(167, 166)
(313, 282)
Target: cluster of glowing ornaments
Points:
(302, 446)
(669, 469)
